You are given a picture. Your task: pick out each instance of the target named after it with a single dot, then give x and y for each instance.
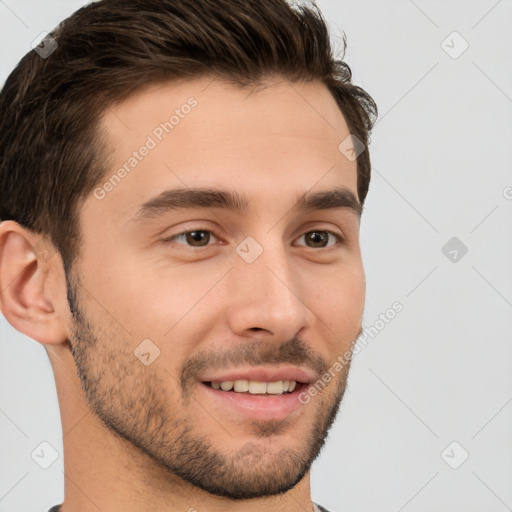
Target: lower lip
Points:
(257, 407)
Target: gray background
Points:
(433, 385)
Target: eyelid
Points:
(171, 239)
(340, 238)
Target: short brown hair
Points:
(51, 156)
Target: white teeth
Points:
(241, 386)
(275, 388)
(255, 387)
(227, 385)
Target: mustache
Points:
(257, 353)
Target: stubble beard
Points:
(135, 405)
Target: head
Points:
(186, 163)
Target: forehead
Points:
(269, 140)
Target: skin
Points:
(149, 438)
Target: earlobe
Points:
(25, 275)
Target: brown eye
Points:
(198, 238)
(195, 238)
(320, 239)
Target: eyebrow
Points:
(196, 198)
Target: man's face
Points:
(192, 292)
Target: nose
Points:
(267, 297)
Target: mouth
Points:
(257, 393)
(255, 387)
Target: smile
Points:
(258, 393)
(255, 387)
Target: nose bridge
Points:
(266, 291)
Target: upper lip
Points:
(261, 374)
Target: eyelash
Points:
(173, 238)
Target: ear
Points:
(32, 297)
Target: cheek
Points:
(340, 303)
(149, 301)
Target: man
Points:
(181, 186)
